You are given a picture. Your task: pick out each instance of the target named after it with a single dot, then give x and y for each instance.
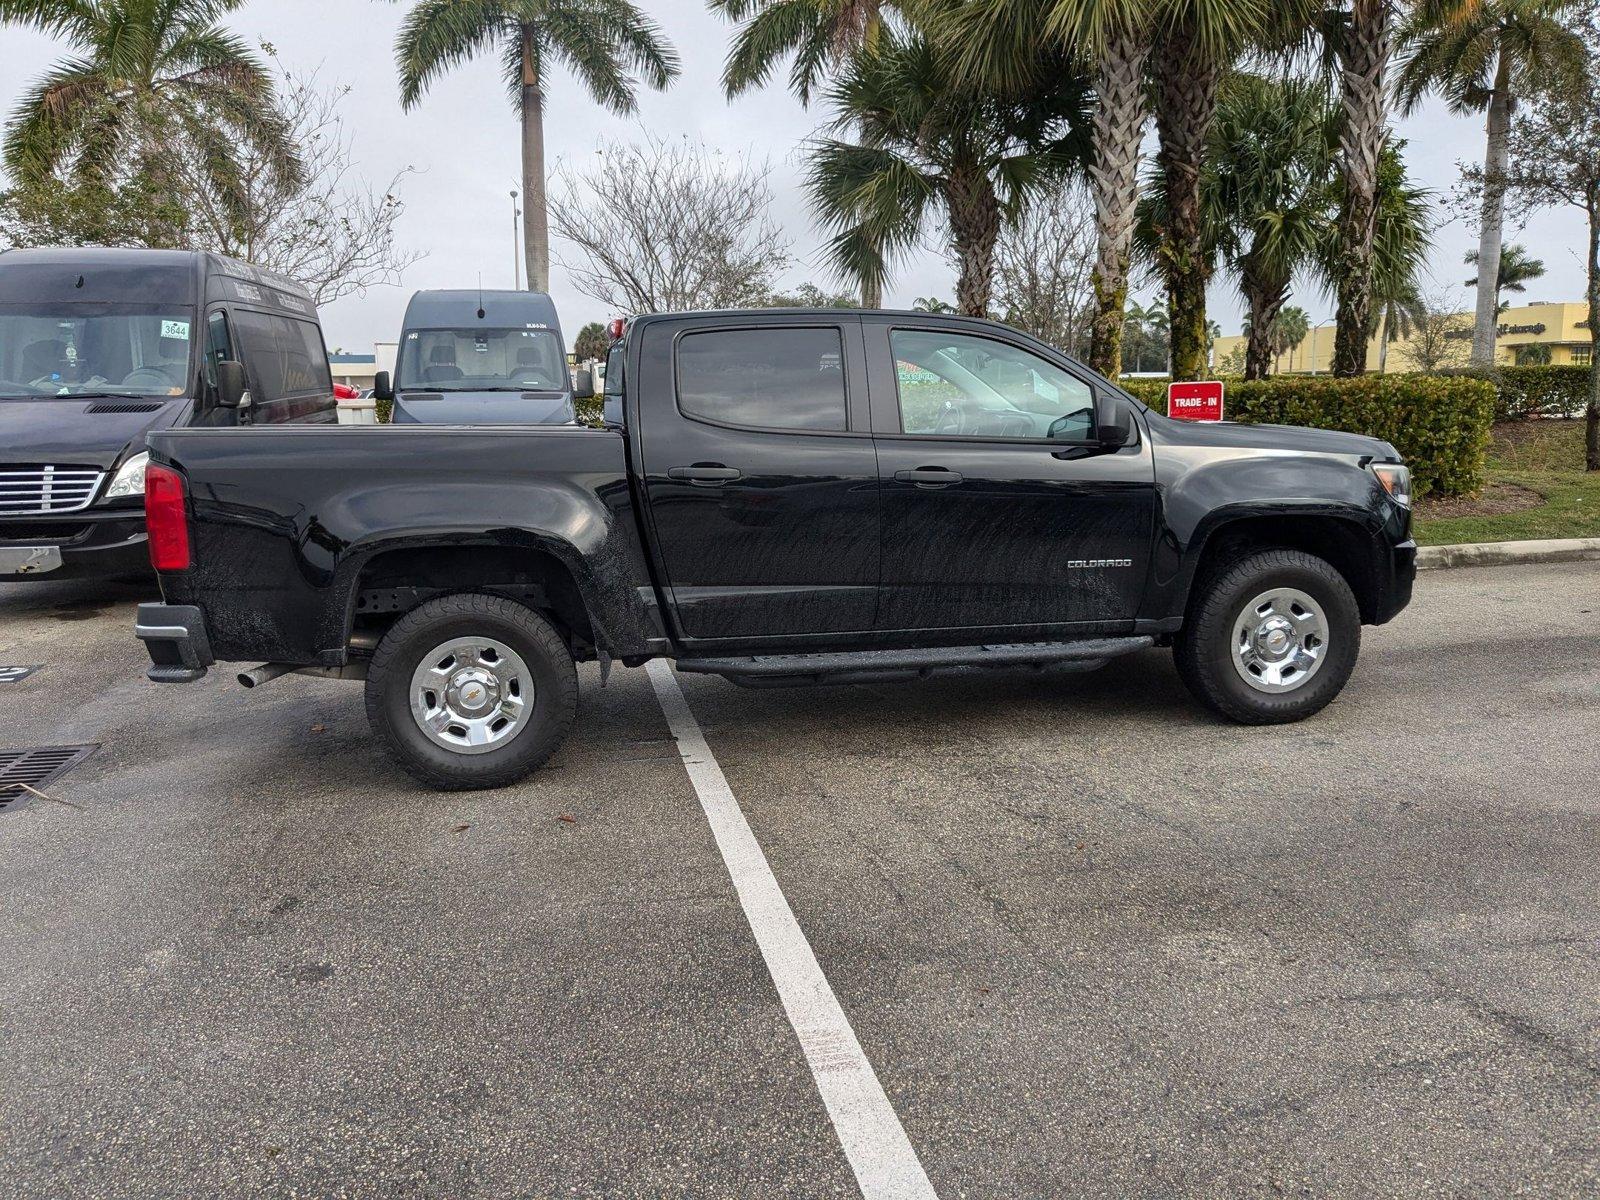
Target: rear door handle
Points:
(704, 474)
(929, 477)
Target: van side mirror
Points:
(233, 389)
(583, 384)
(382, 386)
(1113, 423)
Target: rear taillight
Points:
(165, 519)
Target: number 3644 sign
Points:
(1195, 401)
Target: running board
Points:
(874, 666)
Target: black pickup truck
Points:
(778, 498)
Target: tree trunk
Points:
(1186, 101)
(535, 217)
(1591, 414)
(1119, 120)
(1491, 227)
(1266, 297)
(1364, 62)
(871, 295)
(974, 230)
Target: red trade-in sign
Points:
(1195, 401)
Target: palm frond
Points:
(438, 35)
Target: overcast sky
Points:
(462, 143)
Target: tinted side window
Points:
(764, 378)
(219, 344)
(284, 357)
(959, 385)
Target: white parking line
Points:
(885, 1165)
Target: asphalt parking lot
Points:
(1091, 941)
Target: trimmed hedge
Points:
(1439, 424)
(1540, 391)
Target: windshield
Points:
(480, 360)
(75, 350)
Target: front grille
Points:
(29, 491)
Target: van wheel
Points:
(1271, 637)
(471, 691)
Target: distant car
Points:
(480, 358)
(345, 391)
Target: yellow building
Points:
(1562, 328)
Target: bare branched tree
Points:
(668, 227)
(1044, 270)
(1441, 333)
(326, 228)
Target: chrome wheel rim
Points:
(471, 695)
(1280, 640)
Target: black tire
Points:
(471, 614)
(1204, 648)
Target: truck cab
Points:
(98, 347)
(480, 358)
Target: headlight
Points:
(129, 480)
(1396, 480)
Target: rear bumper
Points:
(1394, 592)
(104, 544)
(175, 636)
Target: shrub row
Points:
(1540, 391)
(1439, 424)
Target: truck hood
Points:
(1229, 435)
(72, 431)
(482, 408)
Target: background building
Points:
(1557, 334)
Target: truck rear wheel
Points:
(471, 691)
(1271, 637)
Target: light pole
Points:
(516, 246)
(1314, 329)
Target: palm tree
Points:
(1402, 232)
(1197, 43)
(929, 143)
(1483, 55)
(1517, 270)
(147, 83)
(819, 34)
(601, 41)
(1265, 190)
(1360, 42)
(931, 304)
(997, 39)
(1146, 331)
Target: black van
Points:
(100, 346)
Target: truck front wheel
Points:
(1271, 637)
(471, 691)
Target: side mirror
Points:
(1113, 423)
(583, 384)
(382, 387)
(233, 389)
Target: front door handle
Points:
(929, 477)
(704, 474)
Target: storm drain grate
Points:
(36, 766)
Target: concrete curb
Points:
(1505, 554)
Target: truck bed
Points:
(290, 524)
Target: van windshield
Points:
(482, 360)
(99, 349)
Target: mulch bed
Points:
(1492, 501)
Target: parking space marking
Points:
(874, 1141)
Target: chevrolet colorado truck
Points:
(778, 498)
